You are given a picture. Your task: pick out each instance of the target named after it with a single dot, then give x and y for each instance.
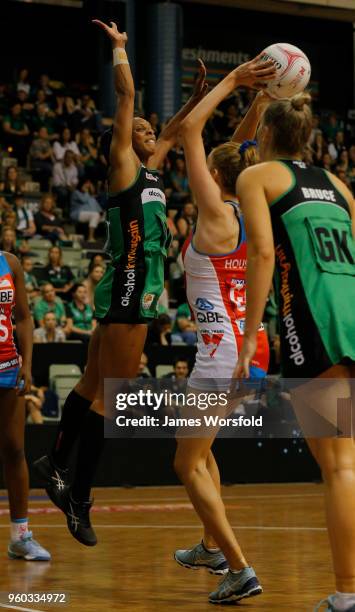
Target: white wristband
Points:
(119, 56)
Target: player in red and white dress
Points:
(216, 293)
(215, 266)
(15, 381)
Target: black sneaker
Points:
(78, 519)
(55, 480)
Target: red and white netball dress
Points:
(9, 359)
(216, 292)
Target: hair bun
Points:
(299, 101)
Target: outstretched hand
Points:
(255, 73)
(246, 354)
(118, 39)
(200, 87)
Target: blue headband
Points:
(246, 144)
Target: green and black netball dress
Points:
(315, 273)
(137, 242)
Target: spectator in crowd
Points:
(33, 403)
(179, 182)
(97, 260)
(4, 101)
(88, 154)
(159, 331)
(4, 207)
(48, 302)
(318, 148)
(8, 240)
(84, 207)
(50, 332)
(44, 84)
(143, 370)
(94, 276)
(23, 81)
(184, 328)
(26, 105)
(336, 146)
(80, 316)
(66, 143)
(16, 133)
(63, 109)
(9, 219)
(59, 275)
(187, 220)
(44, 117)
(327, 162)
(86, 115)
(47, 222)
(180, 371)
(12, 183)
(31, 284)
(65, 178)
(332, 126)
(316, 131)
(25, 225)
(41, 158)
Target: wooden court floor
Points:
(280, 528)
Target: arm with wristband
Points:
(124, 163)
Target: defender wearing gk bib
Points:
(304, 218)
(215, 262)
(127, 295)
(15, 380)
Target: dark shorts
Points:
(130, 295)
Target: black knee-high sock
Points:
(91, 445)
(75, 410)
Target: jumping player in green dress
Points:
(126, 297)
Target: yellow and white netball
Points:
(293, 70)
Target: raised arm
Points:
(260, 260)
(167, 137)
(205, 190)
(247, 128)
(123, 160)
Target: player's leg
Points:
(121, 347)
(12, 428)
(53, 468)
(336, 459)
(213, 470)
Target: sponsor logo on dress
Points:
(203, 304)
(151, 194)
(5, 284)
(151, 177)
(130, 269)
(7, 296)
(295, 347)
(212, 340)
(232, 264)
(147, 301)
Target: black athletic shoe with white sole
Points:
(78, 520)
(55, 481)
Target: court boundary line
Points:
(7, 607)
(147, 526)
(164, 499)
